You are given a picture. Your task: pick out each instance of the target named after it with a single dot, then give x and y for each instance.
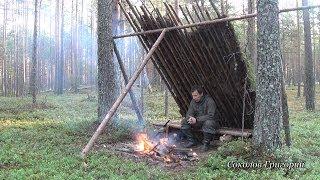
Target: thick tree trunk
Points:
(106, 68)
(308, 68)
(33, 78)
(268, 113)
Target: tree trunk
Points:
(268, 113)
(176, 6)
(223, 7)
(61, 60)
(76, 56)
(106, 68)
(57, 46)
(33, 78)
(91, 78)
(166, 104)
(286, 124)
(25, 47)
(251, 35)
(314, 44)
(309, 75)
(299, 52)
(4, 63)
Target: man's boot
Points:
(207, 137)
(191, 140)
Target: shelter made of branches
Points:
(206, 55)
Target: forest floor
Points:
(45, 141)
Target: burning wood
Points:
(162, 149)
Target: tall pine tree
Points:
(268, 114)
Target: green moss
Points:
(45, 143)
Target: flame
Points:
(144, 144)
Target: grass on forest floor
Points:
(45, 142)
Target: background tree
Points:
(308, 68)
(268, 114)
(299, 52)
(33, 75)
(251, 34)
(4, 57)
(60, 65)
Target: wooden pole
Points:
(126, 80)
(122, 96)
(209, 22)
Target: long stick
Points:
(122, 96)
(209, 22)
(126, 80)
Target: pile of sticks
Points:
(205, 55)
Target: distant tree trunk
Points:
(286, 124)
(16, 54)
(251, 35)
(106, 68)
(25, 47)
(76, 55)
(166, 103)
(310, 83)
(4, 63)
(91, 78)
(80, 47)
(176, 6)
(318, 60)
(33, 78)
(57, 46)
(268, 113)
(39, 50)
(299, 52)
(142, 91)
(50, 69)
(61, 60)
(314, 40)
(223, 7)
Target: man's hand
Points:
(192, 120)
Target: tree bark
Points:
(251, 35)
(309, 74)
(33, 75)
(268, 113)
(286, 124)
(299, 52)
(106, 68)
(61, 59)
(4, 63)
(57, 45)
(223, 7)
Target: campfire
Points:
(163, 149)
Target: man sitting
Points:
(201, 113)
